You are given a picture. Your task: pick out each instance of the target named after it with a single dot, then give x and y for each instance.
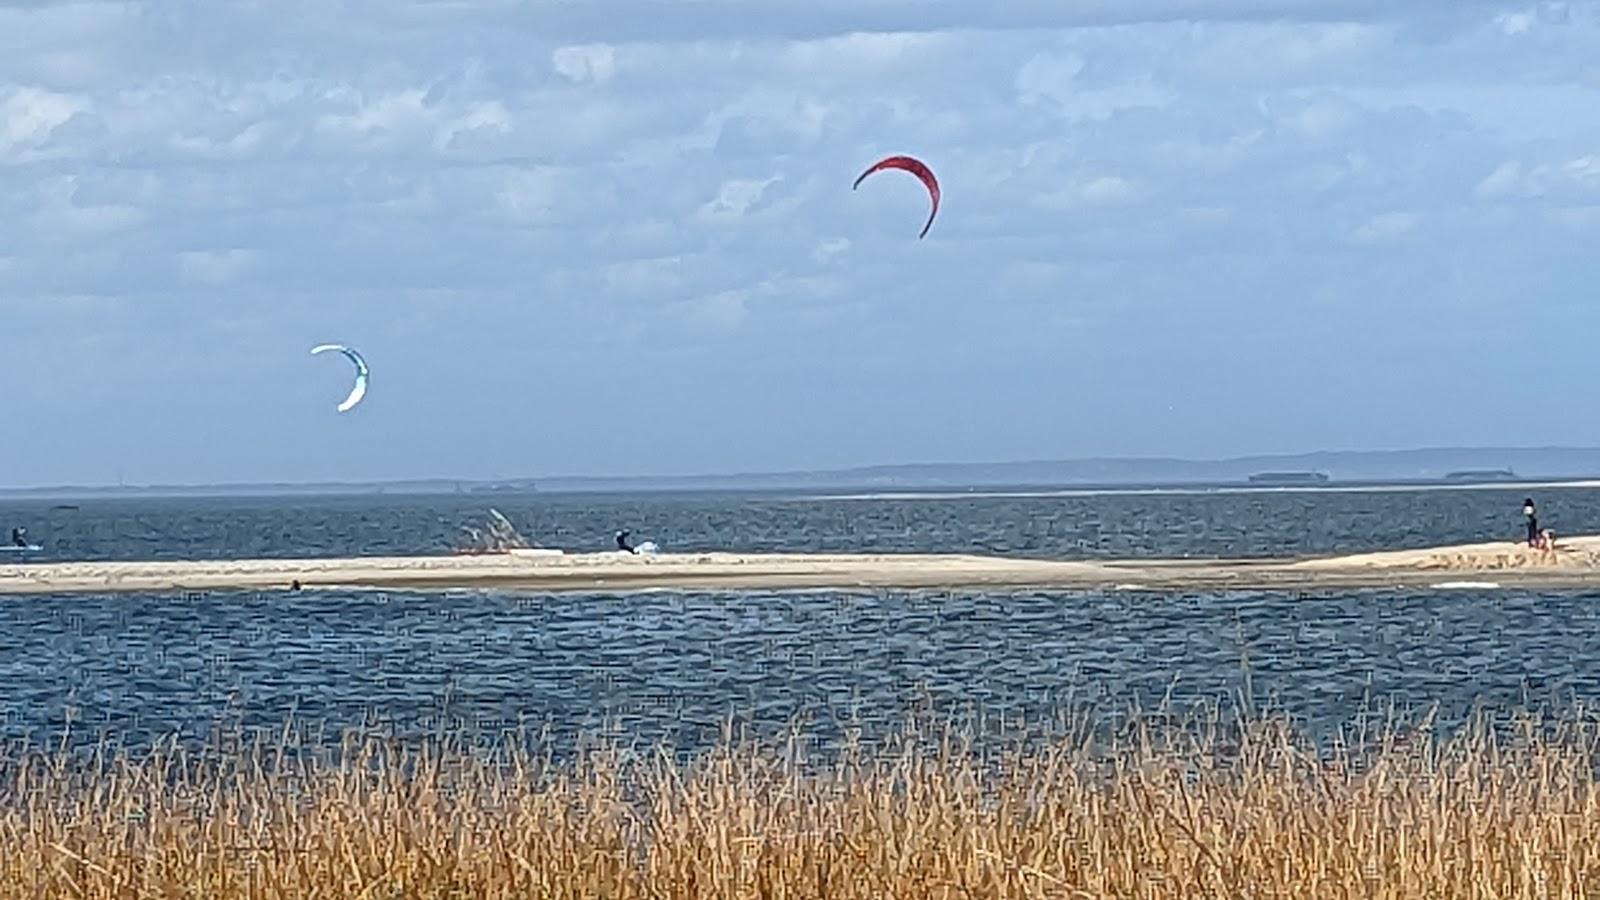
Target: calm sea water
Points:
(668, 665)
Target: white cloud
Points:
(1386, 228)
(830, 250)
(735, 198)
(243, 142)
(861, 53)
(1585, 170)
(69, 220)
(29, 115)
(587, 63)
(388, 112)
(62, 215)
(645, 278)
(609, 20)
(724, 311)
(1053, 80)
(489, 117)
(213, 267)
(1098, 190)
(1524, 21)
(411, 117)
(1049, 76)
(1513, 179)
(1507, 179)
(529, 196)
(1323, 117)
(1210, 156)
(1516, 23)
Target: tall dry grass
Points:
(1191, 811)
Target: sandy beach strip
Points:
(1576, 563)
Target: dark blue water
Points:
(678, 666)
(1266, 523)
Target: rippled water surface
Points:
(676, 665)
(1099, 525)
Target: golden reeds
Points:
(1190, 811)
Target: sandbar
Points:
(1575, 563)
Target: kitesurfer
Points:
(19, 537)
(1532, 515)
(622, 542)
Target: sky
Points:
(619, 237)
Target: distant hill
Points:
(1340, 466)
(1438, 464)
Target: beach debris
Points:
(357, 391)
(916, 167)
(497, 535)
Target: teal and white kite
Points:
(360, 388)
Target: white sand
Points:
(1576, 563)
(1576, 555)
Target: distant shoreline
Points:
(1329, 488)
(1464, 467)
(1502, 564)
(908, 492)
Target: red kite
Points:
(915, 167)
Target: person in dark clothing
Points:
(622, 542)
(1532, 515)
(19, 537)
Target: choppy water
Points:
(1264, 523)
(677, 665)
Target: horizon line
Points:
(461, 481)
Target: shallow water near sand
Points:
(669, 665)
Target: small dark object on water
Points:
(294, 585)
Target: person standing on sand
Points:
(1532, 515)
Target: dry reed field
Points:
(1194, 810)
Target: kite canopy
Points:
(916, 167)
(360, 389)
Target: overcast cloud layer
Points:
(619, 237)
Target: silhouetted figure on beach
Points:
(19, 537)
(1532, 515)
(622, 542)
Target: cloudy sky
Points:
(618, 237)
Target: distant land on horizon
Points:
(1341, 466)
